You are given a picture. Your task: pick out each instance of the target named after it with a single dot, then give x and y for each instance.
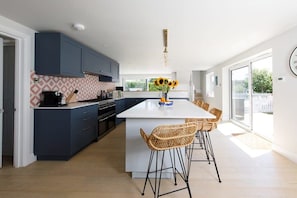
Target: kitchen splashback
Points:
(87, 87)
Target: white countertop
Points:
(73, 105)
(151, 109)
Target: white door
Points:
(1, 97)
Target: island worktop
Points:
(152, 109)
(148, 115)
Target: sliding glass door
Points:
(251, 95)
(262, 117)
(240, 95)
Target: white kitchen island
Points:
(147, 115)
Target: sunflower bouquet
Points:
(164, 85)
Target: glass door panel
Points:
(240, 95)
(262, 97)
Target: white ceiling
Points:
(201, 33)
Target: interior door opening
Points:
(8, 97)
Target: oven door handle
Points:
(103, 119)
(106, 107)
(111, 115)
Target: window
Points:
(140, 84)
(135, 85)
(210, 84)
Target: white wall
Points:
(284, 92)
(23, 136)
(216, 100)
(197, 80)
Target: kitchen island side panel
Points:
(137, 151)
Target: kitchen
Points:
(83, 78)
(17, 25)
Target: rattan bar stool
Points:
(205, 106)
(208, 125)
(199, 103)
(198, 140)
(171, 139)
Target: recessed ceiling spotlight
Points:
(78, 27)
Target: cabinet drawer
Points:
(84, 127)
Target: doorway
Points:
(7, 100)
(251, 95)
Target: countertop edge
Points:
(74, 105)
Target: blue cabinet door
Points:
(60, 133)
(95, 63)
(57, 55)
(114, 67)
(120, 107)
(71, 57)
(52, 134)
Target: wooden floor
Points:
(248, 168)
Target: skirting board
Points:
(291, 156)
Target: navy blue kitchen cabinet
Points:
(120, 107)
(57, 55)
(130, 102)
(115, 73)
(95, 63)
(61, 133)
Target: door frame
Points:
(1, 101)
(235, 67)
(247, 63)
(23, 121)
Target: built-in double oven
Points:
(106, 116)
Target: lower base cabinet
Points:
(61, 133)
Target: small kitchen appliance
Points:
(51, 99)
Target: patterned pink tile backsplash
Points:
(87, 87)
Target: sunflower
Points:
(164, 84)
(175, 83)
(161, 81)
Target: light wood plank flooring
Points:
(248, 169)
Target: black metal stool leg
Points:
(148, 170)
(212, 154)
(203, 134)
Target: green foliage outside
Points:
(152, 86)
(141, 84)
(240, 86)
(262, 82)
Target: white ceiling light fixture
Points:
(165, 42)
(78, 27)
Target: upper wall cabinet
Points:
(57, 55)
(114, 67)
(95, 63)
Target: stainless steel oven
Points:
(106, 116)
